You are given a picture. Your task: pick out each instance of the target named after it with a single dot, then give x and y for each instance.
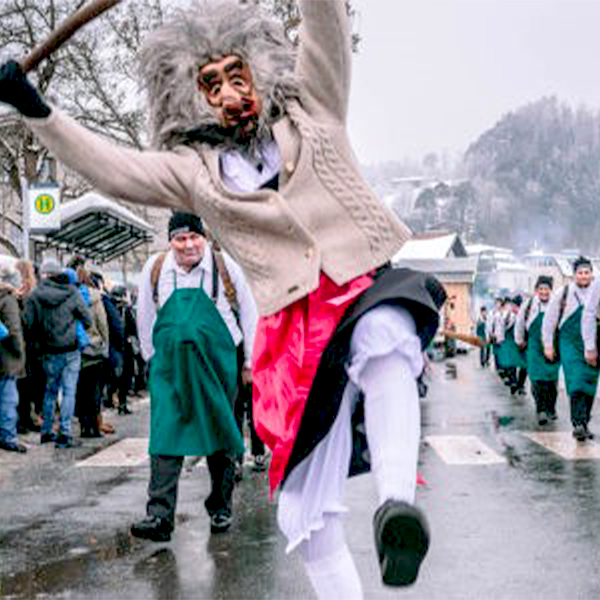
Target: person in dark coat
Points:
(116, 336)
(120, 299)
(12, 357)
(50, 316)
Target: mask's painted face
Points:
(228, 87)
(188, 249)
(583, 276)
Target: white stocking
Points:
(329, 564)
(387, 358)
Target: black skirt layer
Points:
(419, 293)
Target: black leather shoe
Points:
(46, 438)
(579, 433)
(156, 529)
(402, 541)
(220, 521)
(13, 447)
(66, 441)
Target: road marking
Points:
(563, 444)
(463, 450)
(130, 452)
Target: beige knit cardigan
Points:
(324, 217)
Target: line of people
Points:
(537, 336)
(65, 337)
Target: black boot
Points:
(402, 540)
(153, 528)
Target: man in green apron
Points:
(484, 351)
(564, 316)
(188, 330)
(513, 355)
(528, 335)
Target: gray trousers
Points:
(164, 478)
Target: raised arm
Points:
(159, 178)
(324, 58)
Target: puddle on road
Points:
(60, 576)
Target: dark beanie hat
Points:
(517, 300)
(582, 261)
(544, 280)
(185, 223)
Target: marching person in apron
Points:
(188, 330)
(528, 335)
(563, 318)
(514, 357)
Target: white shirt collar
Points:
(240, 174)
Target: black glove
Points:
(16, 90)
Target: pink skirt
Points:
(287, 350)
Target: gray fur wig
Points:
(173, 54)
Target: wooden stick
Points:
(64, 31)
(474, 340)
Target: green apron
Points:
(579, 376)
(193, 379)
(512, 355)
(538, 368)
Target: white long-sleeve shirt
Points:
(171, 275)
(523, 324)
(576, 297)
(589, 319)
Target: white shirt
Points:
(576, 297)
(536, 307)
(240, 174)
(589, 318)
(173, 276)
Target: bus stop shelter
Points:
(97, 228)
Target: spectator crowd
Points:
(68, 348)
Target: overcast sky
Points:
(432, 75)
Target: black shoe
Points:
(156, 529)
(13, 447)
(552, 416)
(542, 418)
(402, 540)
(588, 434)
(239, 471)
(91, 433)
(220, 521)
(124, 410)
(260, 463)
(66, 441)
(46, 438)
(579, 433)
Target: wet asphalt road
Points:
(524, 527)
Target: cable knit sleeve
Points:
(324, 58)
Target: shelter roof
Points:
(98, 228)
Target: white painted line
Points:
(563, 444)
(463, 450)
(130, 452)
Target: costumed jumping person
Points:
(189, 334)
(562, 330)
(252, 137)
(528, 335)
